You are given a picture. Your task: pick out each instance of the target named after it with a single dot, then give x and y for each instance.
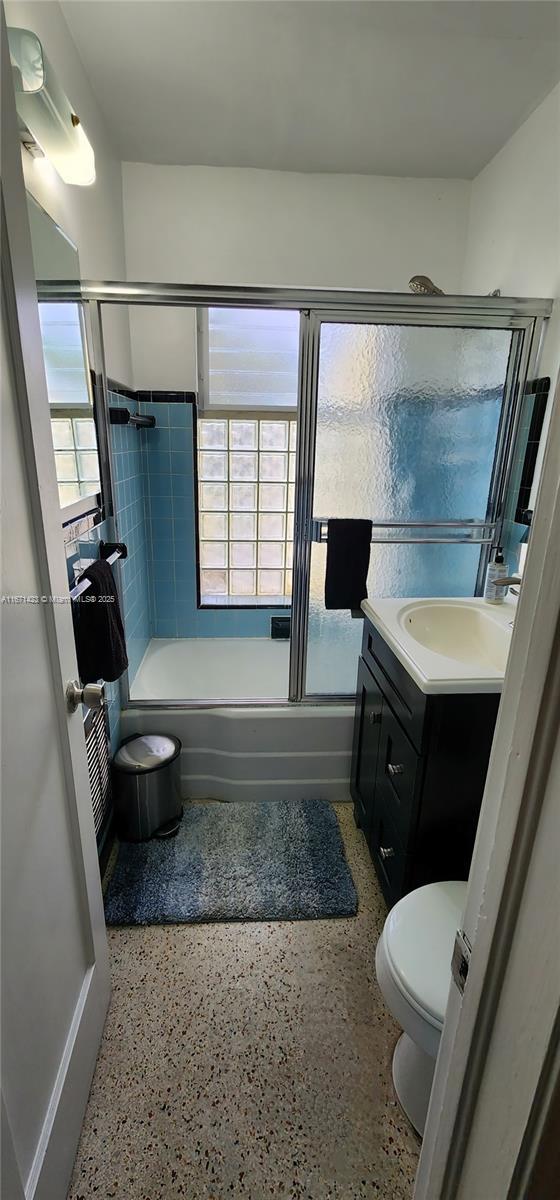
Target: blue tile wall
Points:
(513, 532)
(171, 526)
(154, 494)
(132, 527)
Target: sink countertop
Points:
(433, 672)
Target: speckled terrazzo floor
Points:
(248, 1060)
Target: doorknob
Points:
(92, 694)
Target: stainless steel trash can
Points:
(147, 787)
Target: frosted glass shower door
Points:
(408, 419)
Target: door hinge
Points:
(462, 950)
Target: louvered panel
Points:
(97, 751)
(253, 357)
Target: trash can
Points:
(147, 787)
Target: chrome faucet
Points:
(509, 581)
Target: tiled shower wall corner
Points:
(154, 492)
(169, 452)
(523, 469)
(170, 519)
(512, 531)
(131, 520)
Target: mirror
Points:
(66, 366)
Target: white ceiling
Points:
(405, 87)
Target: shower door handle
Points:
(91, 694)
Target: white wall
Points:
(240, 226)
(227, 225)
(513, 239)
(91, 216)
(163, 347)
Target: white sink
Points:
(447, 645)
(464, 632)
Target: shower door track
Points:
(525, 317)
(478, 309)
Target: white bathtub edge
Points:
(257, 753)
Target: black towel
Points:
(348, 550)
(98, 626)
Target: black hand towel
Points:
(348, 550)
(98, 626)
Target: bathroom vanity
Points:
(423, 732)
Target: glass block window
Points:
(246, 483)
(75, 453)
(248, 358)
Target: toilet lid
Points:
(419, 935)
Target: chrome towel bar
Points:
(319, 532)
(120, 551)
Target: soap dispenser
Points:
(495, 570)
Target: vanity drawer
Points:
(405, 698)
(388, 857)
(399, 771)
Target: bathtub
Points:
(255, 753)
(217, 668)
(241, 668)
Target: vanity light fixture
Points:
(51, 127)
(33, 148)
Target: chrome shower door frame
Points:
(317, 306)
(527, 331)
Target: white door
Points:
(55, 976)
(499, 1058)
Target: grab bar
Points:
(110, 552)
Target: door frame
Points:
(502, 919)
(519, 768)
(56, 1148)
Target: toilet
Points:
(413, 967)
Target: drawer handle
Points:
(374, 718)
(386, 852)
(395, 768)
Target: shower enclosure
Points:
(407, 412)
(407, 423)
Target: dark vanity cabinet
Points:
(418, 771)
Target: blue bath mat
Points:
(253, 861)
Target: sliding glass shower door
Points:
(407, 414)
(408, 421)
